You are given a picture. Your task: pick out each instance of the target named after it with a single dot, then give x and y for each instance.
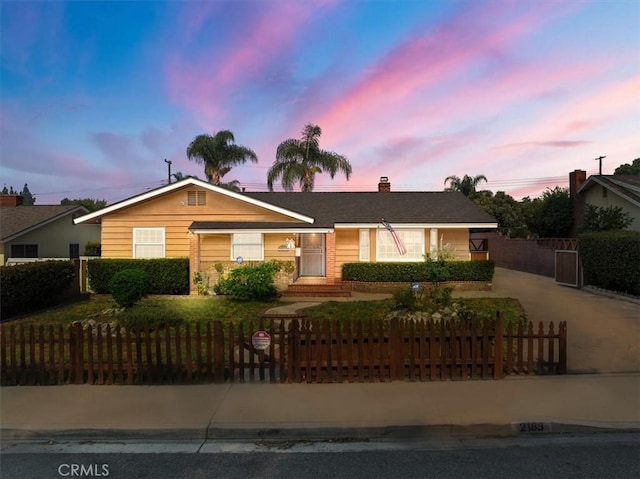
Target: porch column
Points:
(330, 257)
(433, 243)
(194, 261)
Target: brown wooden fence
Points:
(305, 351)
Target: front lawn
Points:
(192, 309)
(511, 309)
(199, 309)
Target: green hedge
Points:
(167, 275)
(33, 286)
(420, 271)
(611, 260)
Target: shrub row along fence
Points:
(302, 351)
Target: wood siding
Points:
(172, 213)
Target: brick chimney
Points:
(11, 200)
(576, 179)
(384, 185)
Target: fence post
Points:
(498, 372)
(562, 348)
(293, 360)
(76, 353)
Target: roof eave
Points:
(180, 184)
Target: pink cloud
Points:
(204, 85)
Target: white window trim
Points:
(164, 241)
(234, 256)
(364, 245)
(399, 258)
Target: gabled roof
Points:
(626, 186)
(96, 215)
(16, 221)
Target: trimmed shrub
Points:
(250, 283)
(92, 248)
(431, 271)
(33, 286)
(611, 260)
(129, 286)
(167, 275)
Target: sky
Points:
(94, 96)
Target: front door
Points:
(312, 254)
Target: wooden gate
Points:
(567, 268)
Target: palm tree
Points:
(466, 185)
(233, 185)
(298, 161)
(219, 154)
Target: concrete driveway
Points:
(603, 333)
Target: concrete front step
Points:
(319, 290)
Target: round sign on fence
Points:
(261, 340)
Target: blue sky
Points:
(94, 95)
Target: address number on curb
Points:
(530, 427)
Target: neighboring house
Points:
(319, 232)
(604, 191)
(41, 231)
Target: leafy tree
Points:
(465, 185)
(506, 210)
(27, 198)
(298, 161)
(88, 203)
(551, 216)
(218, 154)
(233, 185)
(629, 169)
(600, 218)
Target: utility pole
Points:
(169, 170)
(600, 158)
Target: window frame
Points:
(364, 245)
(381, 256)
(24, 247)
(134, 243)
(232, 251)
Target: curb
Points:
(318, 433)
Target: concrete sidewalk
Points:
(320, 411)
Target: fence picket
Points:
(109, 355)
(178, 345)
(99, 345)
(41, 363)
(530, 349)
(540, 361)
(552, 364)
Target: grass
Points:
(199, 309)
(190, 309)
(511, 309)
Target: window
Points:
(196, 198)
(364, 245)
(24, 250)
(247, 245)
(413, 240)
(148, 242)
(74, 250)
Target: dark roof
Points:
(16, 220)
(625, 185)
(332, 208)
